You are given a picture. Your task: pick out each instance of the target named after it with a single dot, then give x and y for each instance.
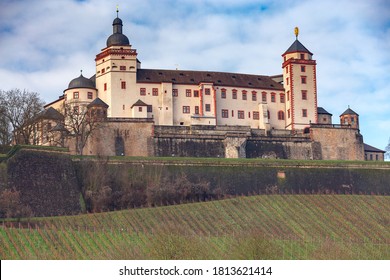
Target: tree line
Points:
(19, 112)
(18, 108)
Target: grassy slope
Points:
(258, 227)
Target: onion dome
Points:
(117, 38)
(81, 82)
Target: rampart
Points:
(46, 181)
(52, 183)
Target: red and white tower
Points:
(300, 83)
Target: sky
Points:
(45, 43)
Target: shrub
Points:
(11, 205)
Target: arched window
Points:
(280, 115)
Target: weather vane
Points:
(296, 32)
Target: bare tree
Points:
(81, 122)
(5, 129)
(19, 109)
(387, 149)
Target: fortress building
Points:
(154, 112)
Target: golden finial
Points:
(296, 32)
(117, 10)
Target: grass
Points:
(257, 227)
(242, 161)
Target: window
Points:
(223, 93)
(196, 93)
(280, 115)
(207, 91)
(264, 96)
(105, 86)
(175, 92)
(254, 96)
(196, 110)
(288, 95)
(123, 85)
(75, 95)
(288, 113)
(90, 95)
(122, 68)
(273, 97)
(282, 98)
(207, 107)
(304, 94)
(186, 109)
(155, 92)
(256, 115)
(268, 114)
(303, 79)
(123, 107)
(103, 71)
(304, 113)
(303, 68)
(244, 97)
(302, 56)
(249, 115)
(225, 113)
(142, 91)
(76, 109)
(232, 113)
(140, 109)
(234, 94)
(287, 80)
(149, 109)
(188, 93)
(286, 70)
(241, 114)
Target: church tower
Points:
(116, 72)
(300, 83)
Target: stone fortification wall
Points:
(279, 147)
(140, 182)
(128, 137)
(140, 137)
(46, 181)
(337, 143)
(201, 141)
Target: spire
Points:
(117, 10)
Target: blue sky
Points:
(45, 43)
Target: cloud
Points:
(44, 44)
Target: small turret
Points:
(350, 118)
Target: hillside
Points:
(257, 227)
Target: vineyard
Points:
(256, 227)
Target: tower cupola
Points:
(117, 38)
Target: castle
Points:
(152, 112)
